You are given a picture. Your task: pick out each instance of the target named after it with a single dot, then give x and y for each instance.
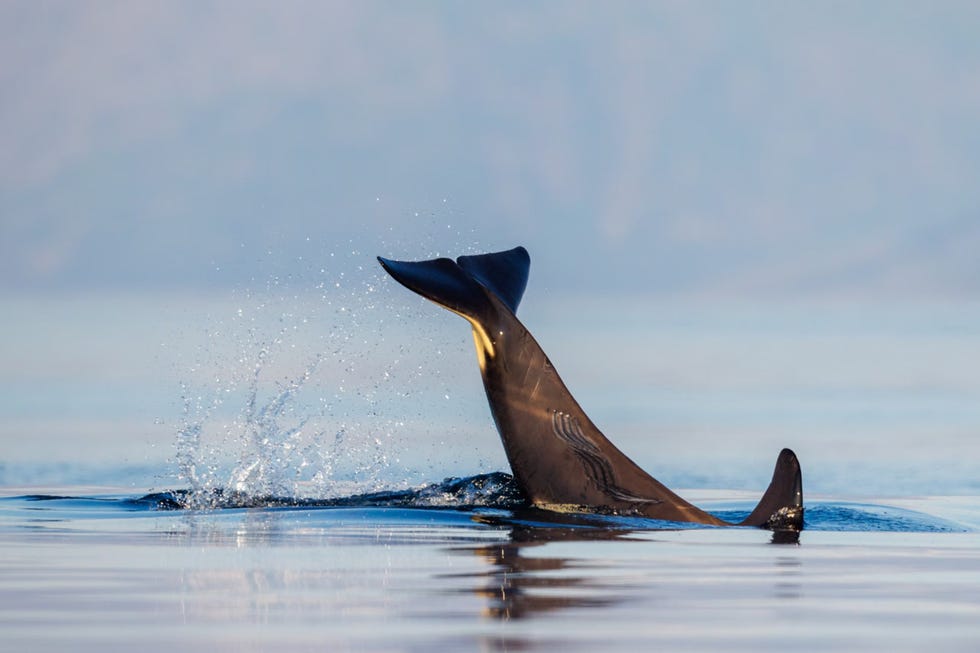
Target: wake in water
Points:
(496, 490)
(488, 498)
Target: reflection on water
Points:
(518, 586)
(785, 537)
(521, 574)
(95, 577)
(522, 581)
(788, 577)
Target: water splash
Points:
(270, 439)
(302, 388)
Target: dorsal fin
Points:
(781, 507)
(502, 273)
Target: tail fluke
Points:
(460, 285)
(440, 280)
(781, 507)
(502, 273)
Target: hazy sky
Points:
(731, 148)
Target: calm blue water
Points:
(100, 572)
(328, 419)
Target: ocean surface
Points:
(315, 468)
(115, 572)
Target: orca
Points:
(560, 459)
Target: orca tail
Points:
(781, 507)
(460, 285)
(502, 273)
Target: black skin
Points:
(560, 459)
